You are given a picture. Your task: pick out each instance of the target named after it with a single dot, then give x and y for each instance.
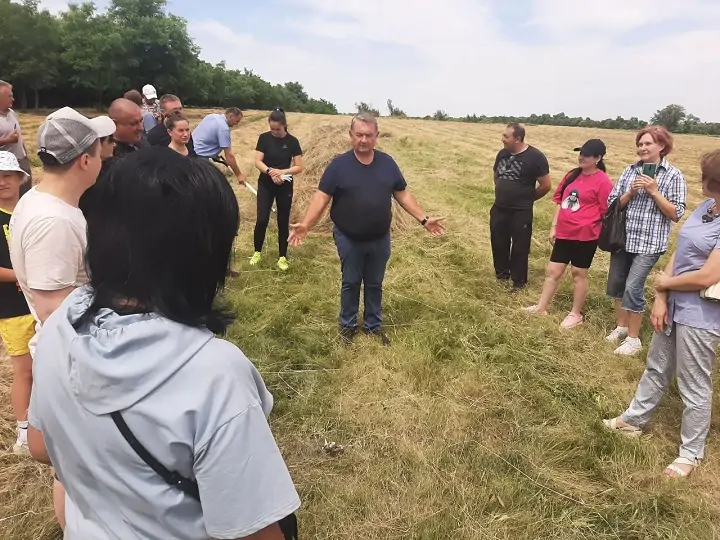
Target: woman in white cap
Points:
(582, 202)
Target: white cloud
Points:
(586, 58)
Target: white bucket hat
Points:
(8, 162)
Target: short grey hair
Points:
(366, 118)
(5, 84)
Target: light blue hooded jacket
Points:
(195, 402)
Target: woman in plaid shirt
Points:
(653, 204)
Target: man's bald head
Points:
(128, 121)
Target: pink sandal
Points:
(571, 321)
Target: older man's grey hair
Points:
(5, 84)
(366, 118)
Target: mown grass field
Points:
(480, 422)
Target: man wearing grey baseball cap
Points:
(48, 230)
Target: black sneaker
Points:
(347, 334)
(518, 287)
(502, 277)
(379, 333)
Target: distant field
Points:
(480, 422)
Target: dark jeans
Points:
(267, 193)
(510, 237)
(362, 263)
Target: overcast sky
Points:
(582, 57)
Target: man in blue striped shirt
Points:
(653, 204)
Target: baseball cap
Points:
(8, 162)
(149, 91)
(66, 134)
(593, 147)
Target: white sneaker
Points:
(629, 347)
(616, 335)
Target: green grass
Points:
(480, 422)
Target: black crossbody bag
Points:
(288, 525)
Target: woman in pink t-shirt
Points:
(582, 202)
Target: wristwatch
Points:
(424, 221)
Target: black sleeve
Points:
(296, 150)
(329, 180)
(260, 146)
(543, 167)
(399, 184)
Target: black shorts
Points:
(579, 254)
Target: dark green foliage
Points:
(673, 117)
(84, 57)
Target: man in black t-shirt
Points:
(361, 184)
(522, 176)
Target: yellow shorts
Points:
(16, 334)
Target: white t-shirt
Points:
(48, 238)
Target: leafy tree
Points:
(364, 107)
(29, 44)
(84, 56)
(671, 117)
(440, 115)
(395, 111)
(92, 51)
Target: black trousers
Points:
(269, 192)
(510, 238)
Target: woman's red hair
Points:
(660, 135)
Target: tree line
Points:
(674, 117)
(84, 57)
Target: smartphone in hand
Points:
(649, 169)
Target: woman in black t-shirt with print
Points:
(279, 159)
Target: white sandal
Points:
(677, 470)
(629, 431)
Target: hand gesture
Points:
(659, 315)
(298, 232)
(435, 226)
(552, 235)
(15, 137)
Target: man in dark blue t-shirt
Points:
(361, 184)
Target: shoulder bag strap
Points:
(288, 524)
(187, 486)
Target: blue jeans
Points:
(362, 263)
(627, 277)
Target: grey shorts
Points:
(627, 277)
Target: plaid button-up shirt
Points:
(648, 229)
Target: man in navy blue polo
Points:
(361, 184)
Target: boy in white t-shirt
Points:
(48, 230)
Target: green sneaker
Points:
(282, 264)
(255, 259)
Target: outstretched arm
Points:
(408, 203)
(317, 206)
